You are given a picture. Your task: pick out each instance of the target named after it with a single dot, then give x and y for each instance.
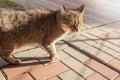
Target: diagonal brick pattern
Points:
(32, 69)
(93, 53)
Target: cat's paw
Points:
(17, 61)
(53, 58)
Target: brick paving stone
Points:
(70, 75)
(2, 76)
(25, 66)
(79, 43)
(49, 71)
(100, 20)
(118, 57)
(44, 59)
(54, 78)
(118, 78)
(80, 37)
(83, 28)
(90, 37)
(115, 41)
(61, 45)
(62, 55)
(24, 48)
(112, 46)
(90, 42)
(104, 36)
(24, 76)
(107, 29)
(96, 76)
(78, 67)
(76, 54)
(85, 39)
(3, 63)
(111, 35)
(98, 54)
(114, 34)
(96, 32)
(102, 69)
(87, 26)
(106, 49)
(115, 63)
(30, 53)
(92, 22)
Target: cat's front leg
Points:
(52, 51)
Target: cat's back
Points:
(10, 19)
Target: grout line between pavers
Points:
(32, 76)
(97, 72)
(106, 41)
(111, 39)
(73, 69)
(73, 56)
(59, 77)
(99, 26)
(91, 56)
(97, 47)
(3, 73)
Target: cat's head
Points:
(72, 19)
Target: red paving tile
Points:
(118, 78)
(115, 63)
(54, 78)
(104, 36)
(49, 71)
(24, 76)
(16, 70)
(96, 76)
(112, 34)
(104, 70)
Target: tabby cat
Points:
(41, 26)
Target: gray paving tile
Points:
(112, 46)
(1, 76)
(81, 69)
(76, 54)
(107, 50)
(61, 45)
(62, 55)
(78, 43)
(98, 54)
(30, 53)
(70, 75)
(24, 48)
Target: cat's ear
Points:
(81, 9)
(64, 9)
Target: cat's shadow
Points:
(26, 62)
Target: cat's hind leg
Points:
(5, 53)
(11, 60)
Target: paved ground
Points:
(92, 54)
